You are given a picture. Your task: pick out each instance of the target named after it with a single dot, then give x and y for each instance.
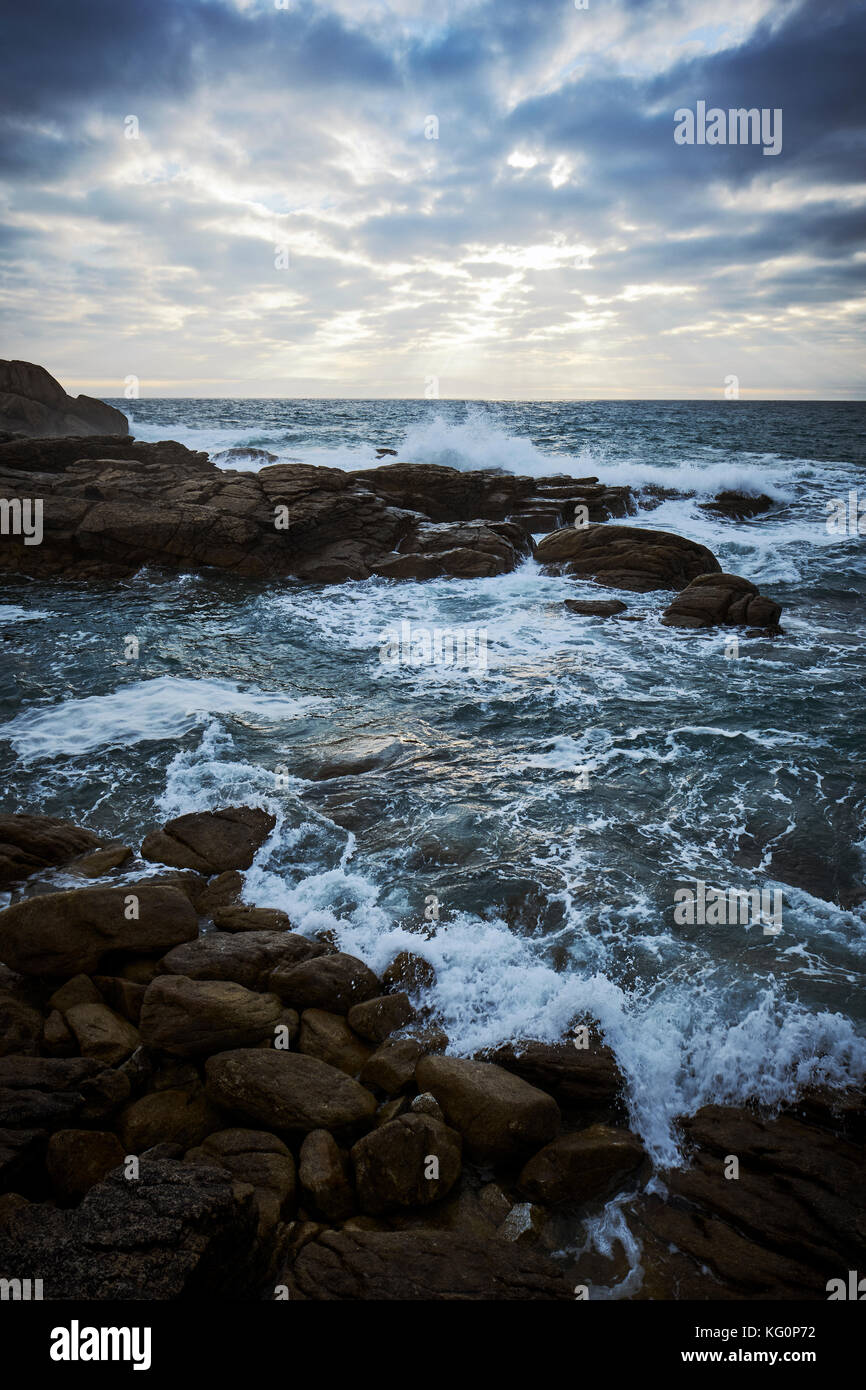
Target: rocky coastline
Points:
(198, 1101)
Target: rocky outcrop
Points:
(792, 1218)
(30, 843)
(626, 557)
(738, 505)
(178, 1231)
(413, 1266)
(210, 842)
(714, 600)
(111, 505)
(33, 403)
(66, 933)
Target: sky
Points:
(432, 197)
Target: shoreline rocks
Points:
(287, 1130)
(33, 403)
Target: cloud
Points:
(552, 223)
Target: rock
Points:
(323, 1174)
(33, 403)
(246, 958)
(596, 608)
(51, 1092)
(10, 1202)
(416, 1266)
(409, 972)
(327, 760)
(172, 1117)
(77, 1159)
(195, 1018)
(21, 1155)
(179, 1231)
(333, 982)
(124, 996)
(79, 990)
(68, 933)
(738, 505)
(626, 557)
(499, 1116)
(587, 1079)
(222, 891)
(112, 504)
(102, 861)
(30, 843)
(57, 1040)
(20, 1020)
(425, 1103)
(287, 1091)
(393, 1109)
(260, 1159)
(101, 1033)
(211, 842)
(329, 1037)
(721, 599)
(587, 1166)
(792, 1220)
(377, 1019)
(410, 1162)
(391, 1068)
(242, 918)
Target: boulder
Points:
(287, 1091)
(51, 1092)
(79, 990)
(417, 1266)
(102, 861)
(409, 972)
(377, 1019)
(195, 1018)
(324, 1176)
(22, 1152)
(239, 917)
(21, 1021)
(77, 1159)
(173, 1116)
(329, 1037)
(582, 1078)
(626, 557)
(33, 403)
(258, 1158)
(333, 982)
(713, 600)
(500, 1116)
(180, 1231)
(210, 842)
(589, 1165)
(410, 1162)
(738, 505)
(101, 1033)
(391, 1068)
(246, 958)
(69, 933)
(30, 843)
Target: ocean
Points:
(549, 801)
